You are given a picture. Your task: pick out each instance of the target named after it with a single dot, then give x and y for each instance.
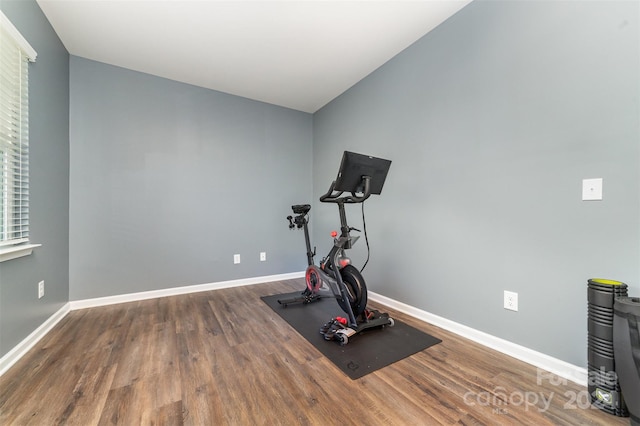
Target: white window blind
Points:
(15, 53)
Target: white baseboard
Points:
(153, 294)
(23, 347)
(11, 357)
(553, 365)
(545, 362)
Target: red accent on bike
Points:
(312, 280)
(334, 234)
(344, 262)
(341, 320)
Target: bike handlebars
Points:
(330, 197)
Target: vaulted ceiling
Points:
(298, 54)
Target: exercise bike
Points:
(335, 276)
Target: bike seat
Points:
(301, 208)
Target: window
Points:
(15, 54)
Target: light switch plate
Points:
(592, 189)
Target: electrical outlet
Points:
(236, 258)
(263, 256)
(40, 289)
(511, 300)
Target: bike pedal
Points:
(327, 326)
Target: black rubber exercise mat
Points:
(366, 352)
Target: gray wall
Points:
(492, 121)
(21, 311)
(169, 181)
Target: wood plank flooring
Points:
(225, 358)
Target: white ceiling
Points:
(299, 54)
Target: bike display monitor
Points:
(354, 166)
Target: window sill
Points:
(9, 253)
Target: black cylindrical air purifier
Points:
(603, 384)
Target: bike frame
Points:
(331, 263)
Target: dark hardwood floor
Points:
(225, 358)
